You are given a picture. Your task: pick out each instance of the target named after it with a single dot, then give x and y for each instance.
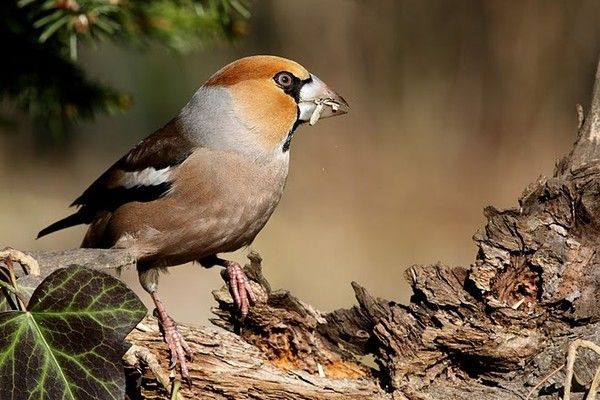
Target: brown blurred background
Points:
(455, 105)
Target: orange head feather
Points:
(267, 95)
(256, 68)
(257, 98)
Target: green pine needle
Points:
(43, 77)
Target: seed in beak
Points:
(321, 103)
(316, 113)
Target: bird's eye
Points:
(284, 79)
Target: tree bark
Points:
(499, 329)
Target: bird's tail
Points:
(72, 220)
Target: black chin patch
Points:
(288, 139)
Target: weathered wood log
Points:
(226, 367)
(587, 146)
(499, 329)
(278, 352)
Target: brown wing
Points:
(163, 149)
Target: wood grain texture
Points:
(226, 367)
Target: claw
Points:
(180, 351)
(178, 347)
(239, 287)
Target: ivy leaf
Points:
(26, 284)
(70, 341)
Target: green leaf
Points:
(69, 343)
(25, 286)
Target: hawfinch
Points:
(208, 181)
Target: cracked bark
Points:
(494, 330)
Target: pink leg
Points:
(178, 347)
(239, 286)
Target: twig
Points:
(27, 262)
(571, 363)
(540, 383)
(13, 282)
(594, 385)
(8, 287)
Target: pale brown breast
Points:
(219, 203)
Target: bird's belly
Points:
(230, 225)
(199, 219)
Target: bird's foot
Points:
(179, 350)
(239, 287)
(178, 347)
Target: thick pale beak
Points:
(317, 101)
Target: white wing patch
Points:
(145, 177)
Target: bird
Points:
(207, 182)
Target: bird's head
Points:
(271, 96)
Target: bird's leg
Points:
(237, 282)
(178, 347)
